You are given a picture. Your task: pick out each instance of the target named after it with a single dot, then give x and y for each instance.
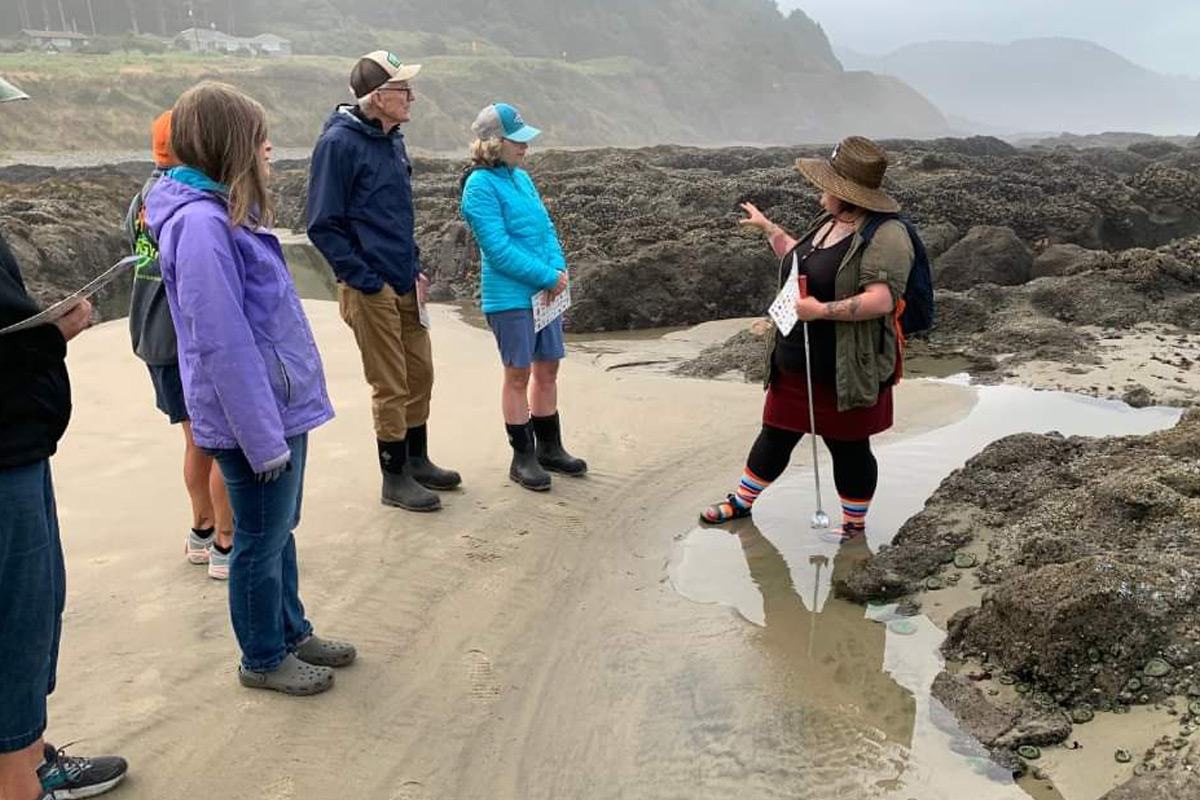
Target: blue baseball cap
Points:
(502, 121)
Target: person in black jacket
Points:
(35, 406)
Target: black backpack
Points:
(917, 314)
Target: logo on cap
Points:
(395, 62)
(835, 152)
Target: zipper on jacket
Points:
(287, 382)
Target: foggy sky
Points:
(1157, 34)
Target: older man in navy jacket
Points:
(360, 216)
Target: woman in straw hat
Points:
(853, 290)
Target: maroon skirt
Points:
(787, 408)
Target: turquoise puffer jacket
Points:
(521, 253)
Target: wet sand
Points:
(872, 669)
(513, 646)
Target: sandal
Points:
(724, 512)
(292, 676)
(325, 652)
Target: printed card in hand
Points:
(546, 310)
(64, 306)
(783, 309)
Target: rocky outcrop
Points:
(652, 234)
(744, 353)
(938, 237)
(64, 229)
(1092, 563)
(1182, 783)
(987, 254)
(1062, 259)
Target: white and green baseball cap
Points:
(377, 69)
(10, 92)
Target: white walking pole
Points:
(820, 519)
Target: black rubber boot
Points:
(550, 452)
(424, 471)
(400, 489)
(525, 469)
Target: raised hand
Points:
(755, 218)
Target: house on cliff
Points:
(55, 41)
(211, 40)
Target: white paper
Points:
(64, 306)
(546, 311)
(783, 309)
(423, 314)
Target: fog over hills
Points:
(592, 72)
(1050, 84)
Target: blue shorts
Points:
(32, 594)
(168, 392)
(519, 345)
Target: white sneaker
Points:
(197, 548)
(218, 564)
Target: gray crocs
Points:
(293, 676)
(325, 652)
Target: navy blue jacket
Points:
(360, 207)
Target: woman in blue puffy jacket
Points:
(521, 258)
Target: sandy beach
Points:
(515, 645)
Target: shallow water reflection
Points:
(868, 672)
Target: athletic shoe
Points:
(218, 564)
(197, 548)
(67, 777)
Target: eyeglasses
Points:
(406, 89)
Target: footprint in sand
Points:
(283, 788)
(484, 686)
(411, 790)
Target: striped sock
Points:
(854, 514)
(749, 489)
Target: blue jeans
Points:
(33, 585)
(264, 595)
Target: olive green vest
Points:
(866, 350)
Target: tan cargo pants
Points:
(397, 357)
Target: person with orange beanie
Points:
(210, 540)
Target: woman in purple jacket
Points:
(251, 372)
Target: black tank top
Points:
(820, 264)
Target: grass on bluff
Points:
(87, 102)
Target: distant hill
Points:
(591, 72)
(1052, 84)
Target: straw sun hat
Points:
(853, 173)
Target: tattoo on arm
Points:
(844, 309)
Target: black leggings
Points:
(855, 471)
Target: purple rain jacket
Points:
(251, 371)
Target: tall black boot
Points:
(550, 452)
(525, 469)
(399, 487)
(424, 471)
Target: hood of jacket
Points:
(168, 196)
(344, 117)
